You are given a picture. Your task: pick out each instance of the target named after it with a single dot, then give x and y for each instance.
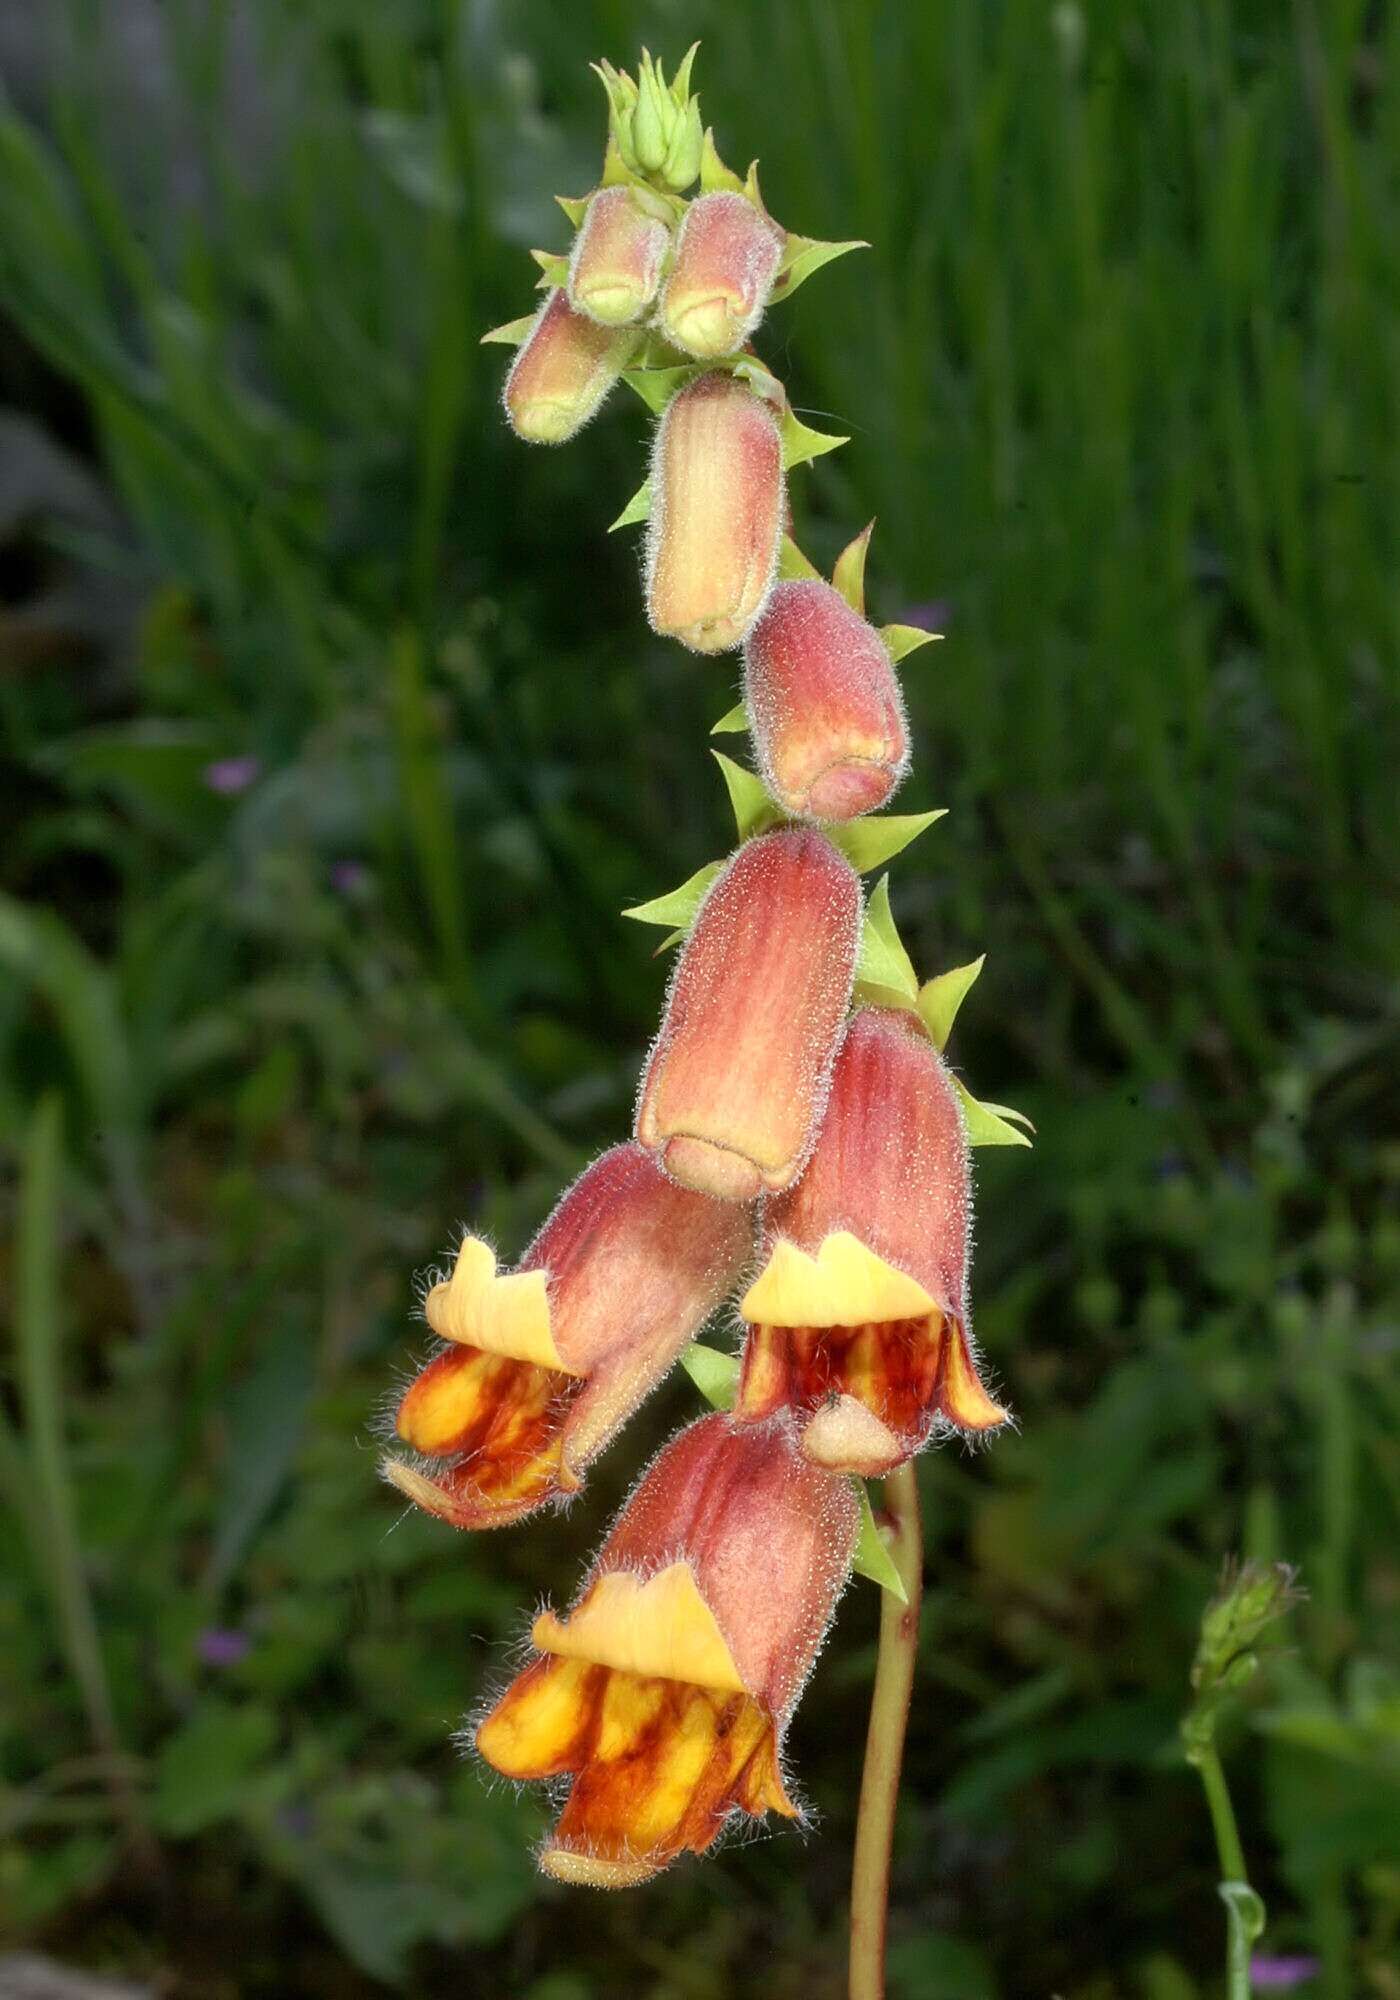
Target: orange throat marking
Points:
(906, 1372)
(496, 1422)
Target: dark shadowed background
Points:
(335, 741)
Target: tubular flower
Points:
(542, 1364)
(727, 257)
(666, 1690)
(564, 368)
(717, 510)
(615, 266)
(737, 1077)
(858, 1319)
(828, 721)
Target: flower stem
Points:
(884, 1742)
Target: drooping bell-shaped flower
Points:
(563, 369)
(718, 503)
(615, 264)
(858, 1320)
(727, 256)
(738, 1074)
(542, 1364)
(665, 1692)
(824, 704)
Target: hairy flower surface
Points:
(665, 1692)
(543, 1364)
(824, 704)
(615, 265)
(727, 257)
(858, 1319)
(563, 369)
(718, 501)
(734, 1088)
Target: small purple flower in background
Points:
(934, 615)
(348, 877)
(229, 775)
(222, 1646)
(1279, 1974)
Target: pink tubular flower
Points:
(718, 503)
(563, 369)
(666, 1691)
(543, 1364)
(858, 1319)
(727, 257)
(824, 703)
(734, 1087)
(615, 265)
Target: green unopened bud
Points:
(682, 161)
(652, 118)
(1248, 1600)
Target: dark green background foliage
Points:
(1121, 378)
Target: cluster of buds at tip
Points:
(655, 125)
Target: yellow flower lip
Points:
(845, 1284)
(659, 1627)
(478, 1307)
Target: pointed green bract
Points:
(509, 335)
(554, 270)
(714, 1374)
(801, 442)
(940, 998)
(804, 255)
(732, 721)
(637, 508)
(902, 639)
(883, 961)
(574, 206)
(754, 811)
(715, 176)
(987, 1123)
(792, 564)
(871, 1557)
(678, 906)
(848, 577)
(656, 386)
(879, 836)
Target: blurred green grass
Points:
(1121, 377)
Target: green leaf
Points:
(680, 905)
(872, 1558)
(883, 961)
(509, 335)
(940, 998)
(903, 639)
(801, 442)
(715, 1375)
(879, 836)
(987, 1123)
(804, 255)
(849, 574)
(204, 1770)
(715, 176)
(732, 721)
(792, 563)
(637, 508)
(753, 809)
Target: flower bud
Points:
(687, 147)
(652, 118)
(615, 265)
(858, 1320)
(824, 704)
(564, 368)
(737, 1077)
(717, 510)
(542, 1365)
(727, 257)
(666, 1691)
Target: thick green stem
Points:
(884, 1742)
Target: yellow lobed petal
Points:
(845, 1284)
(662, 1626)
(507, 1314)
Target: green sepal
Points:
(940, 998)
(801, 442)
(871, 1557)
(678, 906)
(792, 564)
(879, 836)
(987, 1123)
(554, 270)
(902, 639)
(760, 378)
(804, 255)
(848, 577)
(754, 811)
(637, 508)
(656, 386)
(509, 335)
(883, 961)
(574, 206)
(715, 176)
(714, 1374)
(732, 721)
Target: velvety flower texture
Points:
(858, 1320)
(563, 369)
(824, 704)
(666, 1690)
(543, 1364)
(718, 502)
(727, 256)
(615, 264)
(737, 1077)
